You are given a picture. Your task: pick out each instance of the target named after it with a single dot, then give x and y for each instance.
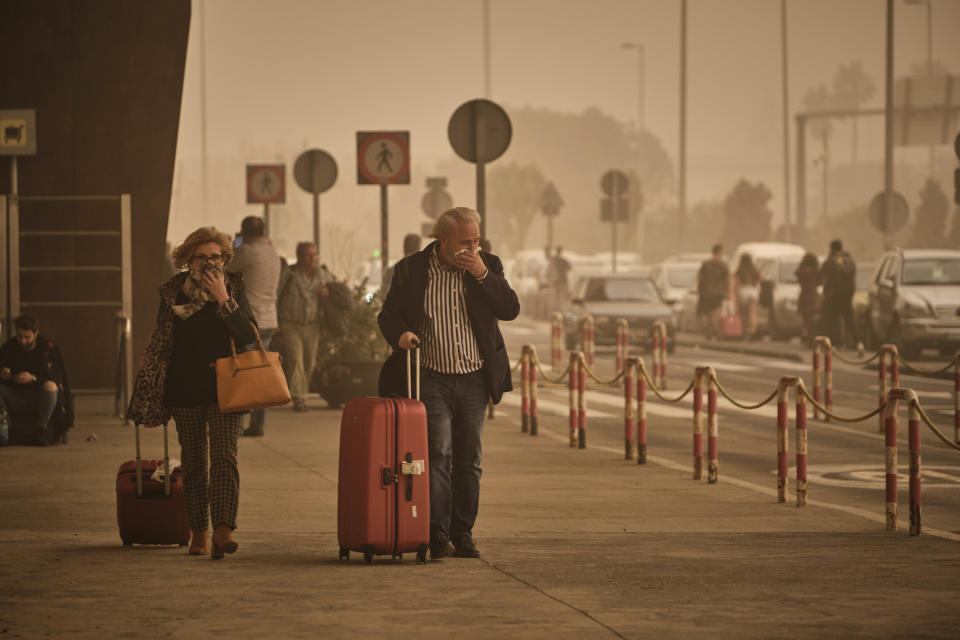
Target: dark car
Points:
(632, 296)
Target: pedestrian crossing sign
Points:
(383, 157)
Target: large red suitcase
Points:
(151, 511)
(383, 498)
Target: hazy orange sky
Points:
(290, 74)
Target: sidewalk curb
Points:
(742, 349)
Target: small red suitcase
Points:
(151, 511)
(383, 497)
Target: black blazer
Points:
(487, 302)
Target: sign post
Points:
(614, 208)
(383, 157)
(18, 137)
(550, 203)
(315, 172)
(480, 132)
(435, 201)
(266, 184)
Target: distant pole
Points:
(786, 121)
(888, 132)
(642, 96)
(486, 49)
(681, 218)
(316, 222)
(266, 219)
(203, 106)
(383, 228)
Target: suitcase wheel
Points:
(368, 557)
(344, 553)
(422, 554)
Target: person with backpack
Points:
(839, 276)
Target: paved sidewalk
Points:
(575, 544)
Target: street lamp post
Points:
(640, 96)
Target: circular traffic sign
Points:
(615, 180)
(899, 213)
(315, 171)
(265, 184)
(435, 202)
(479, 131)
(384, 158)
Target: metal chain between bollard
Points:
(656, 391)
(560, 379)
(925, 372)
(833, 416)
(926, 419)
(843, 358)
(739, 404)
(592, 374)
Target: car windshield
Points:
(788, 270)
(620, 289)
(932, 271)
(682, 277)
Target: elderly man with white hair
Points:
(448, 298)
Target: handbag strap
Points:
(260, 347)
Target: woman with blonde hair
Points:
(201, 309)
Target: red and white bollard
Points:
(582, 406)
(556, 340)
(525, 389)
(783, 419)
(698, 422)
(801, 419)
(823, 344)
(659, 341)
(587, 336)
(573, 386)
(890, 457)
(641, 413)
(628, 414)
(532, 381)
(890, 440)
(713, 427)
(887, 351)
(623, 343)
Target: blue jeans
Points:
(258, 416)
(33, 401)
(456, 407)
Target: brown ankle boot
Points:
(198, 543)
(222, 542)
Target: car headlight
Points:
(914, 310)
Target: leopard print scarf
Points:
(196, 292)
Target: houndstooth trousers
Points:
(219, 492)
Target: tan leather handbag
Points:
(251, 380)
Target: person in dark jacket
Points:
(34, 386)
(448, 299)
(201, 309)
(838, 274)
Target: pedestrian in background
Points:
(839, 277)
(298, 306)
(260, 265)
(201, 310)
(560, 274)
(746, 281)
(713, 287)
(808, 302)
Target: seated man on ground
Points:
(32, 386)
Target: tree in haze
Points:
(930, 218)
(747, 214)
(514, 192)
(851, 88)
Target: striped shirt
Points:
(260, 265)
(446, 336)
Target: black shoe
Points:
(464, 547)
(440, 547)
(255, 433)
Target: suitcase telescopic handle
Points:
(166, 463)
(416, 370)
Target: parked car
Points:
(608, 298)
(779, 289)
(914, 301)
(674, 278)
